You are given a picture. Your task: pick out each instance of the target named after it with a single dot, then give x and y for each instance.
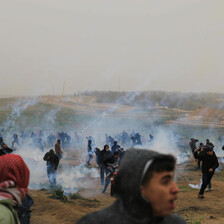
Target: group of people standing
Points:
(107, 160)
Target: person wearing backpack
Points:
(14, 181)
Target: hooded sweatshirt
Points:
(130, 207)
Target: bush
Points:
(58, 193)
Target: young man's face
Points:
(161, 192)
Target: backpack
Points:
(24, 210)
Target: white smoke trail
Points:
(49, 119)
(18, 108)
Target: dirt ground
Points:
(207, 211)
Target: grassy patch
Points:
(76, 196)
(58, 193)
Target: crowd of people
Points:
(138, 193)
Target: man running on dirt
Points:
(110, 164)
(103, 155)
(209, 164)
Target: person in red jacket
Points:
(14, 181)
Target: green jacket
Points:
(7, 213)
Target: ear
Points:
(142, 189)
(143, 193)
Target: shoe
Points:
(208, 189)
(201, 196)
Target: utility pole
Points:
(53, 90)
(63, 89)
(119, 87)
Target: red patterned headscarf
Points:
(14, 178)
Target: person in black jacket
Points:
(111, 164)
(201, 147)
(5, 149)
(52, 164)
(209, 144)
(193, 146)
(209, 164)
(103, 155)
(145, 191)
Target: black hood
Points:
(129, 178)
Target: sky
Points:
(64, 46)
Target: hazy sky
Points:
(170, 45)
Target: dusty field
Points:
(207, 211)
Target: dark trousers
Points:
(193, 153)
(206, 179)
(199, 163)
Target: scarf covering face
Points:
(14, 178)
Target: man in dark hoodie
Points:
(209, 164)
(52, 164)
(103, 155)
(145, 191)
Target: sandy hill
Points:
(84, 103)
(207, 113)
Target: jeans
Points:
(107, 181)
(59, 156)
(90, 157)
(206, 179)
(51, 173)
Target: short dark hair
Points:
(106, 146)
(159, 164)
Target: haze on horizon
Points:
(125, 45)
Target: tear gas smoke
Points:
(17, 109)
(71, 178)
